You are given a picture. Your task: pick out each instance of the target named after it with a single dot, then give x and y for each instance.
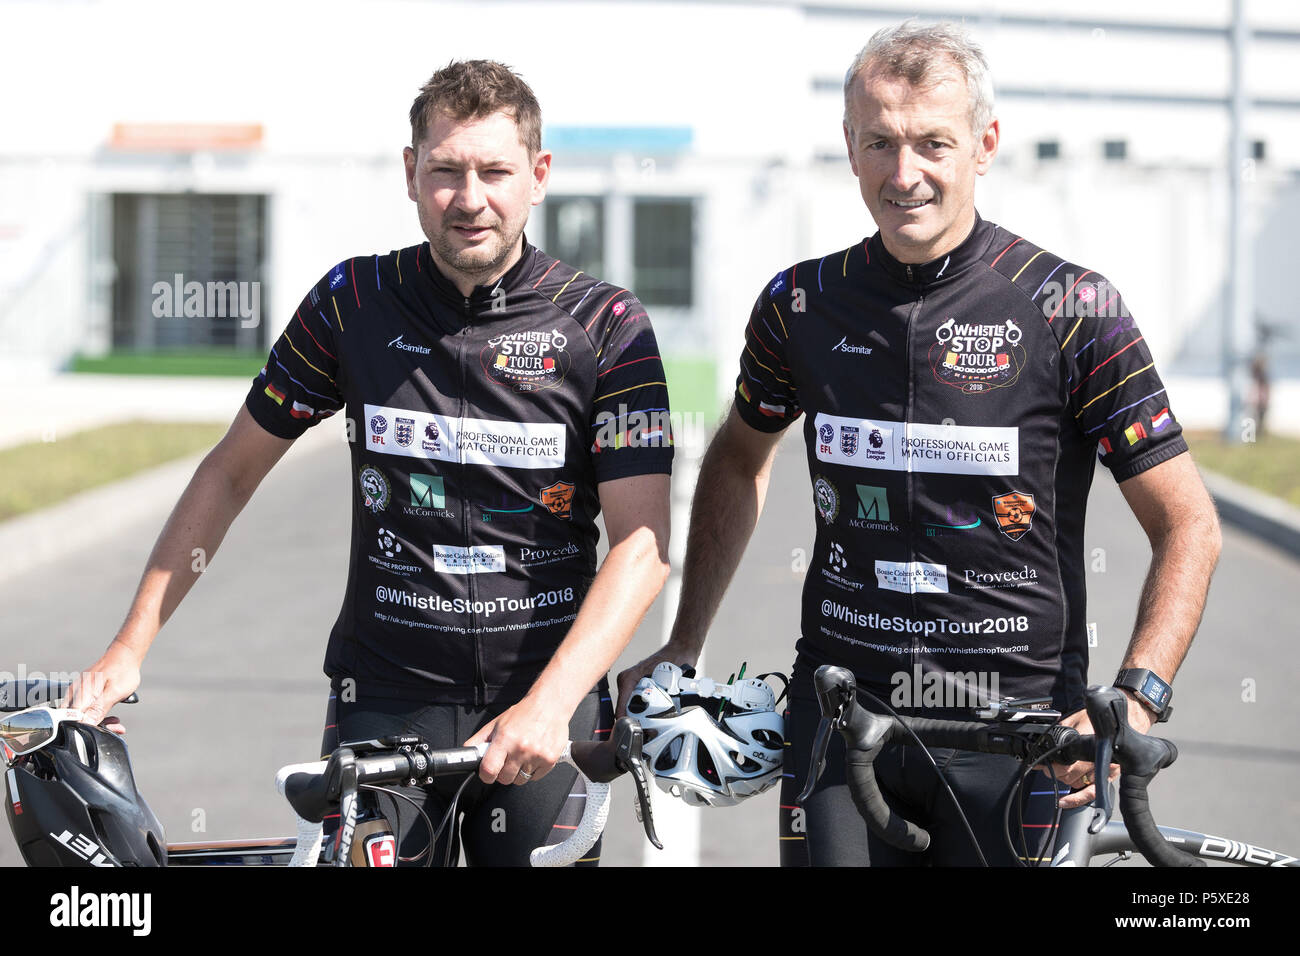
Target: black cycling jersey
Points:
(480, 427)
(954, 410)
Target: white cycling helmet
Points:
(707, 761)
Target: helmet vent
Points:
(704, 764)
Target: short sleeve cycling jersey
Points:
(953, 412)
(480, 427)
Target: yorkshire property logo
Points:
(1015, 513)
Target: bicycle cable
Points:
(1014, 795)
(428, 824)
(450, 815)
(961, 814)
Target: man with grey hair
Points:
(959, 384)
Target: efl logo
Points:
(381, 850)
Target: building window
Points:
(1115, 149)
(1049, 149)
(663, 251)
(1258, 151)
(575, 232)
(189, 271)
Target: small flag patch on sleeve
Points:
(1135, 433)
(1162, 420)
(274, 394)
(1105, 446)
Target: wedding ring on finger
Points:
(526, 775)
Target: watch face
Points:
(1156, 691)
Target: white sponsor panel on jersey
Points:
(480, 559)
(912, 577)
(916, 446)
(471, 441)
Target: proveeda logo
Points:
(1020, 577)
(397, 343)
(75, 908)
(531, 557)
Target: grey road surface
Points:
(233, 688)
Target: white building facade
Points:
(697, 152)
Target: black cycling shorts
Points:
(496, 824)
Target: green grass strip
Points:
(1271, 464)
(221, 362)
(41, 473)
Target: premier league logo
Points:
(404, 431)
(875, 438)
(430, 442)
(848, 440)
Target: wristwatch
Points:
(1154, 693)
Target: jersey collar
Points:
(513, 278)
(969, 252)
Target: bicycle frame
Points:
(267, 852)
(1075, 846)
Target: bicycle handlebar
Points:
(315, 789)
(1139, 756)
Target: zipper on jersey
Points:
(480, 692)
(909, 479)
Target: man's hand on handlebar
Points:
(113, 677)
(1080, 773)
(524, 742)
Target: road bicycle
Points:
(72, 799)
(1034, 736)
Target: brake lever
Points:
(1108, 712)
(836, 690)
(825, 727)
(629, 740)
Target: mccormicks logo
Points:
(76, 908)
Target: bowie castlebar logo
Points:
(827, 499)
(558, 499)
(1015, 513)
(977, 357)
(374, 488)
(526, 361)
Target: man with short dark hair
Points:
(497, 398)
(958, 384)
